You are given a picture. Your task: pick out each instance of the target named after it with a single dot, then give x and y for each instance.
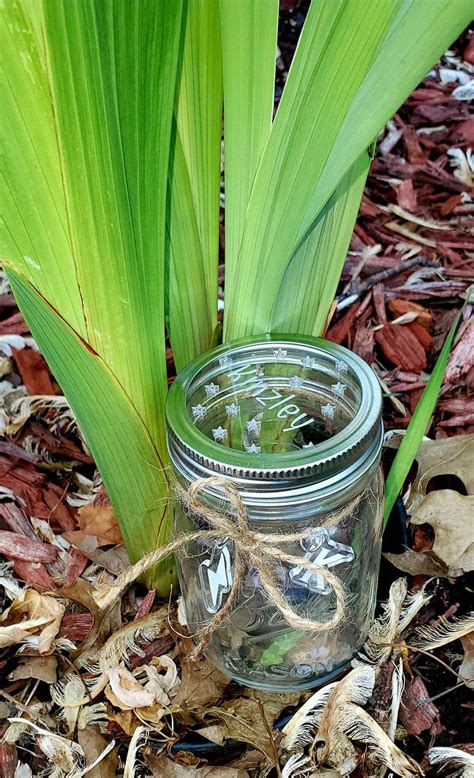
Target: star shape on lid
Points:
(225, 361)
(328, 411)
(211, 389)
(296, 382)
(232, 410)
(280, 353)
(338, 389)
(308, 445)
(341, 366)
(253, 449)
(254, 426)
(199, 411)
(219, 433)
(309, 361)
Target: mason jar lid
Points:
(288, 410)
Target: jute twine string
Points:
(251, 550)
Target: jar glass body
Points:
(287, 486)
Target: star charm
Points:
(341, 367)
(225, 361)
(253, 449)
(309, 362)
(328, 411)
(280, 353)
(254, 426)
(322, 550)
(338, 389)
(216, 577)
(219, 434)
(296, 382)
(232, 409)
(199, 411)
(211, 390)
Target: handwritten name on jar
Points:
(251, 381)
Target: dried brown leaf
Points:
(93, 744)
(450, 514)
(202, 684)
(32, 618)
(126, 720)
(164, 766)
(99, 521)
(447, 456)
(418, 563)
(250, 718)
(40, 668)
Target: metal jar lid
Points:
(286, 413)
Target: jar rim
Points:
(359, 439)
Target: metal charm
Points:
(322, 550)
(215, 575)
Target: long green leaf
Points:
(189, 314)
(112, 123)
(419, 33)
(199, 123)
(107, 131)
(417, 427)
(353, 67)
(311, 278)
(90, 91)
(34, 229)
(122, 448)
(249, 33)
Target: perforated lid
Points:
(274, 409)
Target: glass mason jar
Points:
(295, 423)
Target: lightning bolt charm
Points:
(215, 575)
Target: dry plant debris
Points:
(86, 692)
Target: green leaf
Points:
(98, 236)
(311, 278)
(133, 473)
(34, 228)
(189, 314)
(249, 38)
(90, 93)
(353, 67)
(418, 425)
(199, 123)
(112, 122)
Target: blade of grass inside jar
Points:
(275, 654)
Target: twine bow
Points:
(251, 550)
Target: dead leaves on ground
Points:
(330, 727)
(32, 620)
(450, 551)
(97, 521)
(115, 690)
